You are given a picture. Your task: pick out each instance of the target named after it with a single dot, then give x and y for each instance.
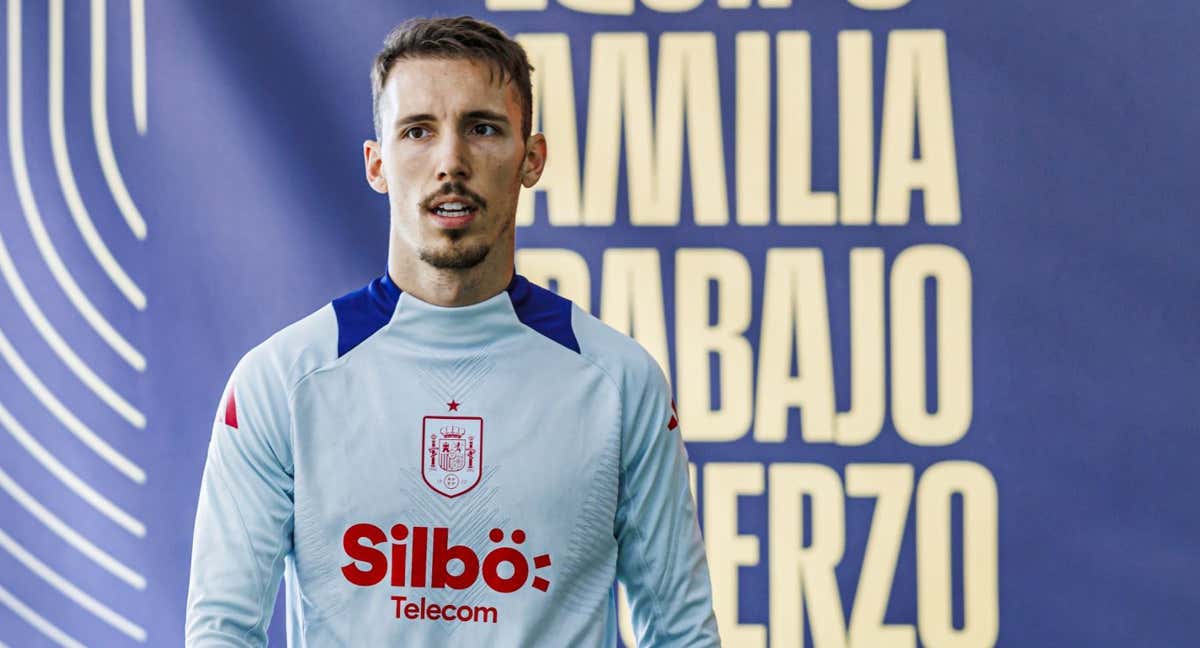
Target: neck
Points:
(443, 287)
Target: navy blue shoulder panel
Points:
(543, 311)
(364, 311)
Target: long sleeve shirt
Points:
(421, 476)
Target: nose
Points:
(453, 159)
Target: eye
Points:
(485, 129)
(416, 132)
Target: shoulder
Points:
(283, 359)
(561, 320)
(620, 356)
(257, 396)
(644, 393)
(360, 314)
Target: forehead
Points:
(445, 87)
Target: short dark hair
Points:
(453, 38)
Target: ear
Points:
(535, 160)
(373, 164)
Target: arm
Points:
(244, 517)
(660, 552)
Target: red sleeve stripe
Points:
(231, 410)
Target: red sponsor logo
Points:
(504, 569)
(447, 612)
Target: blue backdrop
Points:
(186, 179)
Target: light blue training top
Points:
(425, 476)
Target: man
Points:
(450, 454)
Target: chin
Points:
(455, 256)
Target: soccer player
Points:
(450, 455)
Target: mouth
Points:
(452, 212)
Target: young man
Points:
(450, 454)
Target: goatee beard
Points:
(456, 258)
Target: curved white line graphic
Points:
(16, 150)
(25, 194)
(71, 536)
(66, 178)
(61, 348)
(69, 589)
(36, 620)
(64, 415)
(69, 478)
(137, 55)
(108, 161)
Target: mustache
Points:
(456, 189)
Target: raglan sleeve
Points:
(244, 518)
(660, 556)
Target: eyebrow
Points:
(489, 115)
(422, 117)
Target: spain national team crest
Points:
(452, 453)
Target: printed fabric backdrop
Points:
(922, 274)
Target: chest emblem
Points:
(452, 453)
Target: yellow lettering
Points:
(516, 5)
(695, 338)
(672, 6)
(891, 485)
(553, 115)
(753, 99)
(802, 578)
(917, 89)
(612, 7)
(856, 158)
(797, 203)
(879, 5)
(949, 269)
(727, 549)
(862, 422)
(794, 304)
(981, 607)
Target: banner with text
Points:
(920, 273)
